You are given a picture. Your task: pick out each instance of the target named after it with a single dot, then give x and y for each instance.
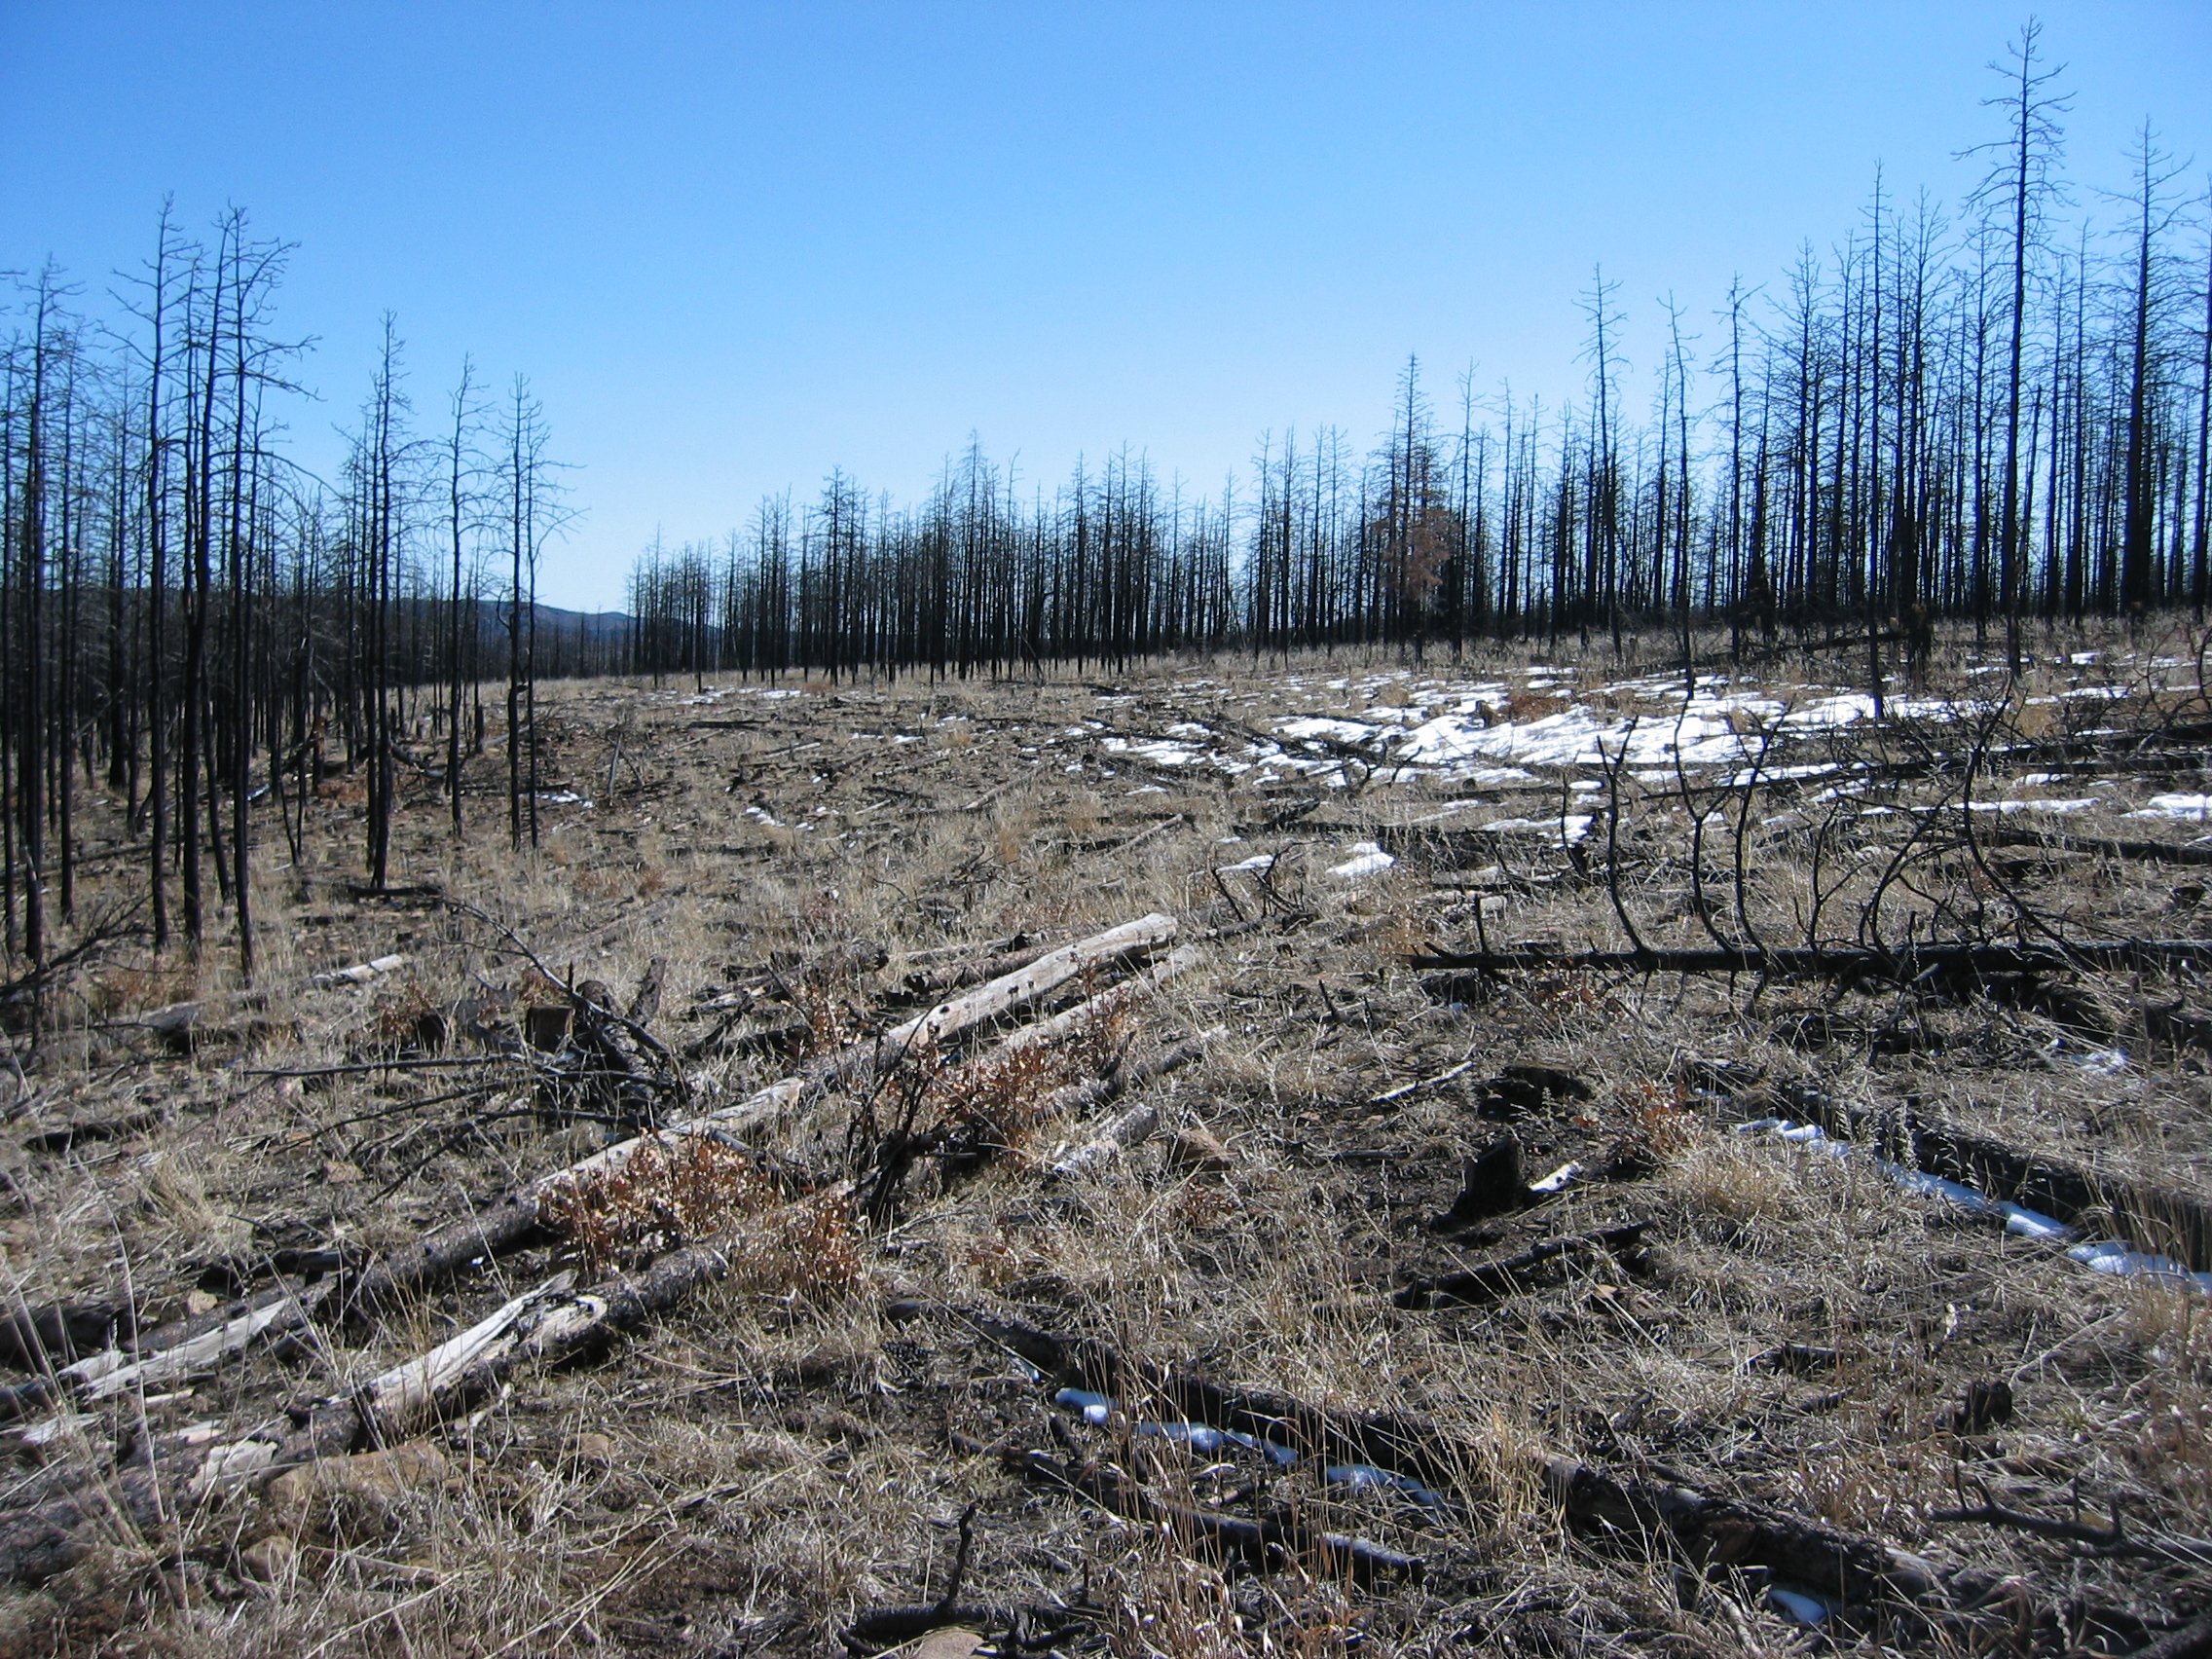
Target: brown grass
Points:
(746, 1475)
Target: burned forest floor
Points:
(1529, 1153)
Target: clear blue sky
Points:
(735, 244)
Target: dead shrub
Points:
(130, 990)
(1655, 1127)
(993, 1103)
(662, 1197)
(410, 1018)
(805, 1250)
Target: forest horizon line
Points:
(1998, 414)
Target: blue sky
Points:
(734, 245)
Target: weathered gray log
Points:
(105, 1376)
(361, 973)
(1133, 1127)
(1092, 1009)
(955, 976)
(512, 1218)
(34, 1543)
(1002, 995)
(544, 1326)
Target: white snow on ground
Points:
(2195, 808)
(2079, 803)
(1558, 831)
(1367, 860)
(1344, 731)
(1162, 753)
(1438, 731)
(1453, 732)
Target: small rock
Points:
(355, 1495)
(269, 1561)
(951, 1642)
(1200, 1148)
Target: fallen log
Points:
(56, 1333)
(544, 1326)
(2146, 852)
(62, 1136)
(2103, 1541)
(1008, 992)
(1131, 1073)
(512, 1218)
(1719, 1529)
(180, 1025)
(997, 790)
(1383, 1439)
(1133, 1127)
(956, 976)
(1904, 966)
(1726, 1532)
(2162, 1218)
(2192, 1640)
(1268, 1543)
(361, 974)
(947, 952)
(1088, 1012)
(1491, 1281)
(104, 1375)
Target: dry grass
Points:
(743, 1476)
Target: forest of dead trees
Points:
(2000, 414)
(192, 624)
